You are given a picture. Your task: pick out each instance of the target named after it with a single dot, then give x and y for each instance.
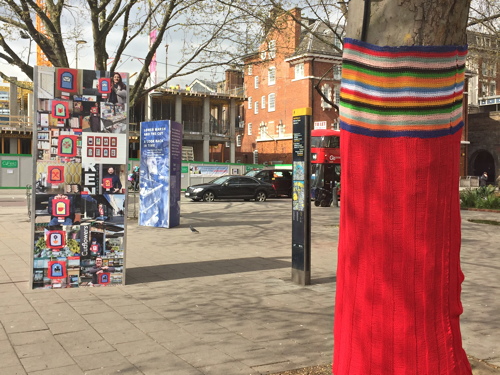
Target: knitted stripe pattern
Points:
(399, 280)
(402, 91)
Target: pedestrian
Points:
(483, 179)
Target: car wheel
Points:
(208, 196)
(261, 196)
(316, 203)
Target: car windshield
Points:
(252, 173)
(220, 180)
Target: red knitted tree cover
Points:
(399, 279)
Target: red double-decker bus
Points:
(325, 160)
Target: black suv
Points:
(281, 179)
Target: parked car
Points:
(281, 179)
(228, 187)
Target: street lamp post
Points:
(166, 65)
(78, 43)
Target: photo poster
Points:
(160, 174)
(80, 153)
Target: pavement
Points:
(219, 302)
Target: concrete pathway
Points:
(217, 302)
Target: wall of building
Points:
(484, 138)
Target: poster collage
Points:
(81, 151)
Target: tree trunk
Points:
(398, 279)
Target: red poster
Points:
(60, 109)
(67, 145)
(55, 174)
(56, 239)
(107, 183)
(104, 278)
(56, 269)
(104, 86)
(67, 80)
(60, 207)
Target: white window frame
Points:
(327, 91)
(249, 128)
(249, 102)
(263, 131)
(336, 94)
(281, 130)
(271, 102)
(238, 140)
(337, 72)
(493, 88)
(250, 70)
(299, 70)
(263, 102)
(272, 49)
(271, 76)
(256, 82)
(256, 107)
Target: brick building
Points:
(280, 77)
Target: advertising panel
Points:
(80, 149)
(160, 174)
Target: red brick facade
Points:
(268, 129)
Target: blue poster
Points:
(160, 172)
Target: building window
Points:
(336, 95)
(337, 72)
(263, 102)
(256, 82)
(249, 128)
(271, 76)
(238, 140)
(336, 124)
(249, 102)
(263, 55)
(327, 91)
(256, 107)
(250, 70)
(272, 49)
(271, 102)
(281, 129)
(337, 42)
(484, 89)
(493, 88)
(299, 71)
(263, 130)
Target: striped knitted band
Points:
(410, 91)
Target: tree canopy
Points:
(213, 32)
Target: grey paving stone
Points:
(22, 322)
(8, 357)
(74, 325)
(66, 370)
(98, 360)
(44, 362)
(14, 370)
(138, 347)
(162, 362)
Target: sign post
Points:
(301, 198)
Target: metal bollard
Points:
(335, 197)
(28, 199)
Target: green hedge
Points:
(482, 197)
